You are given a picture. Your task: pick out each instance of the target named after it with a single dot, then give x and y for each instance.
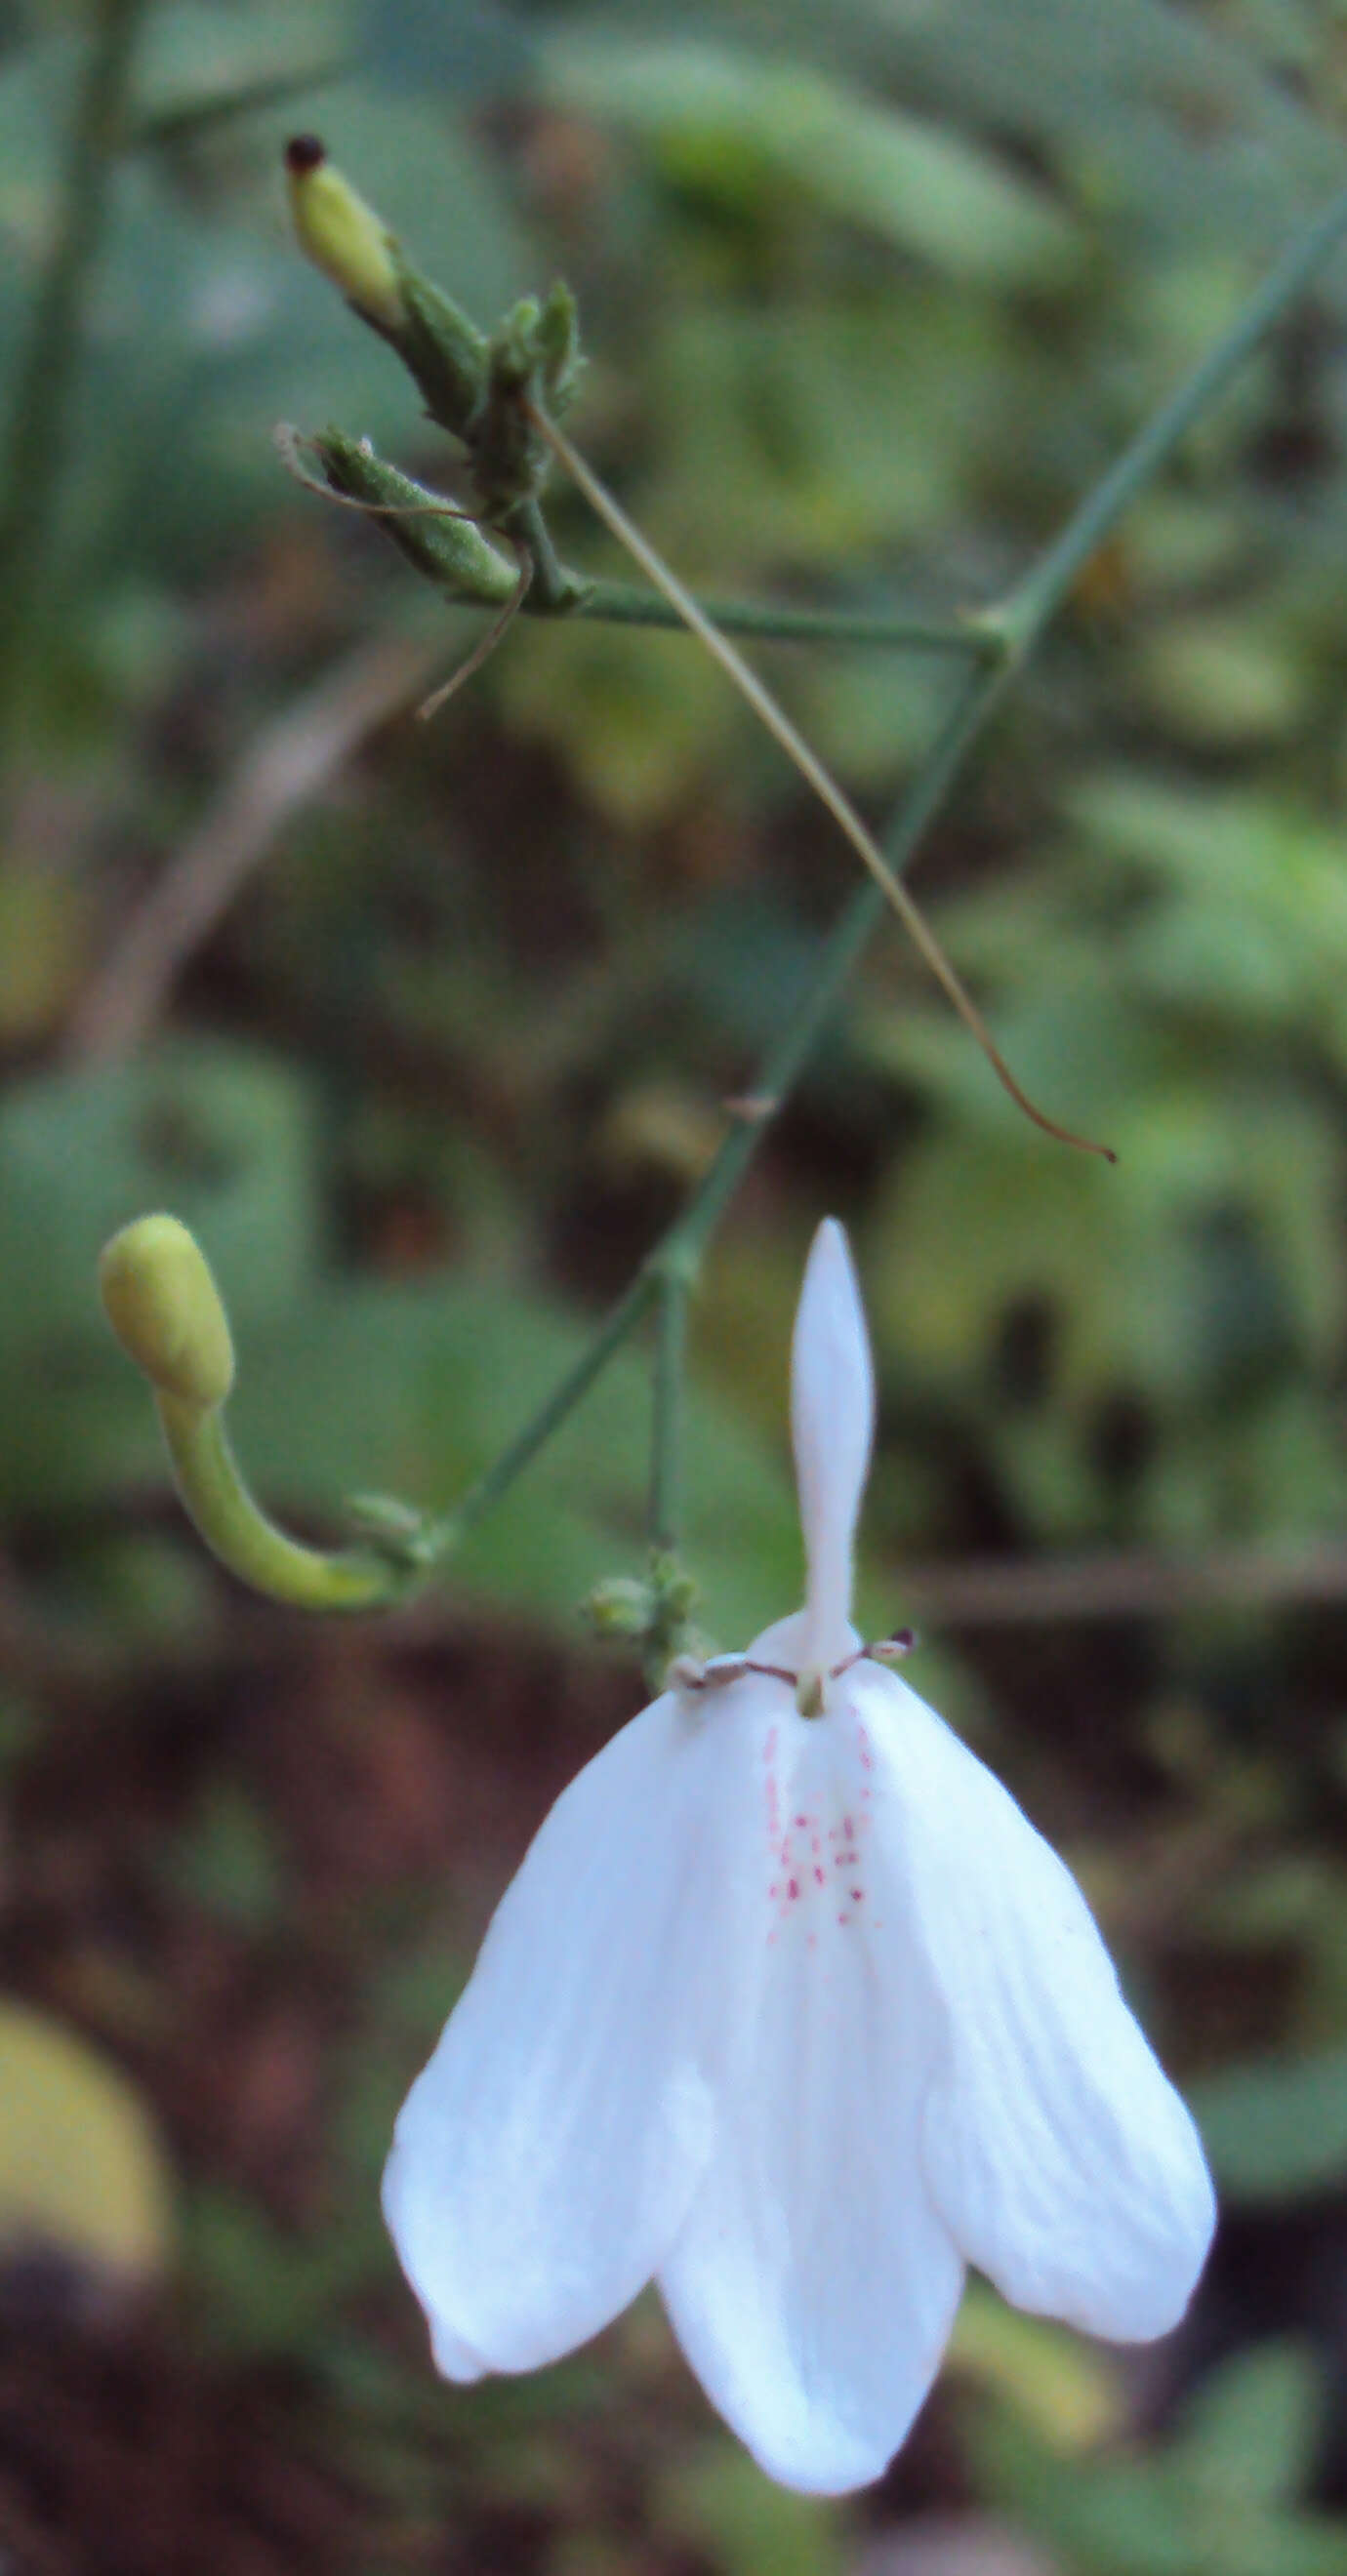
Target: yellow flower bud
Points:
(165, 1310)
(342, 235)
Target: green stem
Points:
(553, 590)
(34, 444)
(440, 1537)
(666, 1447)
(621, 603)
(239, 1534)
(1012, 632)
(786, 1058)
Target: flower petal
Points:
(813, 2285)
(545, 2158)
(1061, 2157)
(832, 1412)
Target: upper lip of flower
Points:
(796, 2018)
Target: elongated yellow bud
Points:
(165, 1310)
(342, 235)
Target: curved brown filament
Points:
(811, 769)
(288, 442)
(486, 644)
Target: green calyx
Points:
(435, 538)
(533, 362)
(653, 1613)
(485, 392)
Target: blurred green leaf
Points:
(1221, 2498)
(264, 2291)
(721, 2502)
(1276, 2128)
(728, 119)
(1250, 2433)
(475, 50)
(228, 1862)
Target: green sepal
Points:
(442, 349)
(653, 1613)
(449, 550)
(533, 357)
(396, 1531)
(557, 338)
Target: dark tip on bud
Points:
(303, 153)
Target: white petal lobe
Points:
(813, 2285)
(1060, 2156)
(545, 2158)
(832, 1426)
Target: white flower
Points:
(798, 2015)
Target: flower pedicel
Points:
(790, 2009)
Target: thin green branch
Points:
(666, 1445)
(34, 445)
(444, 543)
(438, 1538)
(164, 1305)
(807, 1024)
(815, 772)
(620, 603)
(1016, 630)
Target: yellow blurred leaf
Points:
(1064, 2390)
(81, 2166)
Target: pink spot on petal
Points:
(792, 1888)
(856, 1894)
(818, 1874)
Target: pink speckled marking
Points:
(818, 1851)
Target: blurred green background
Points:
(872, 294)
